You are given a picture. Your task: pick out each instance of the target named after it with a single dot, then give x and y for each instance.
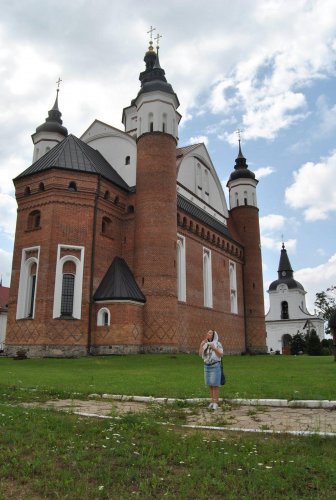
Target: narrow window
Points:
(34, 220)
(150, 122)
(72, 186)
(68, 287)
(107, 195)
(284, 310)
(105, 318)
(41, 186)
(32, 285)
(233, 287)
(127, 160)
(27, 191)
(207, 278)
(181, 268)
(106, 226)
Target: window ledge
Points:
(33, 229)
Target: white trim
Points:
(207, 277)
(233, 287)
(112, 301)
(77, 305)
(181, 268)
(24, 292)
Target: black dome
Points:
(290, 282)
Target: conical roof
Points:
(53, 122)
(241, 168)
(74, 154)
(119, 284)
(285, 273)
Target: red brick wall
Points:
(246, 222)
(155, 236)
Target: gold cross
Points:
(239, 132)
(151, 32)
(157, 38)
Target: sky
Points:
(266, 67)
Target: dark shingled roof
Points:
(241, 168)
(74, 154)
(285, 273)
(188, 207)
(119, 284)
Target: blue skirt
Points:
(212, 374)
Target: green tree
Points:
(298, 344)
(313, 343)
(326, 304)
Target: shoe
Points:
(214, 406)
(210, 407)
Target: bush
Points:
(313, 344)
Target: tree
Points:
(298, 344)
(313, 343)
(326, 304)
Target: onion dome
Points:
(153, 78)
(241, 168)
(285, 273)
(53, 122)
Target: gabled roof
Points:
(189, 207)
(74, 154)
(4, 295)
(119, 284)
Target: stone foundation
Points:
(47, 351)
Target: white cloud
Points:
(198, 139)
(272, 222)
(317, 279)
(313, 189)
(8, 214)
(274, 243)
(5, 266)
(263, 172)
(327, 116)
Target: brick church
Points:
(124, 242)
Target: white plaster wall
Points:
(243, 188)
(296, 303)
(3, 325)
(159, 104)
(44, 140)
(276, 329)
(187, 176)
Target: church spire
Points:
(53, 122)
(285, 269)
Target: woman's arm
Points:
(201, 347)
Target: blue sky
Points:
(264, 66)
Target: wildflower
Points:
(101, 487)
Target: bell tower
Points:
(244, 216)
(155, 108)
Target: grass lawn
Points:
(45, 454)
(48, 454)
(288, 377)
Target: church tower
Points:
(155, 212)
(244, 217)
(50, 133)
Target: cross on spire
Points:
(239, 133)
(157, 39)
(58, 83)
(151, 32)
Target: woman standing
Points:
(211, 351)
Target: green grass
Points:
(181, 376)
(45, 454)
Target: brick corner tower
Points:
(156, 118)
(244, 214)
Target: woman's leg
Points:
(215, 394)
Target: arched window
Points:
(27, 191)
(199, 179)
(130, 209)
(206, 184)
(34, 220)
(150, 122)
(245, 197)
(106, 226)
(103, 317)
(284, 310)
(72, 186)
(116, 200)
(107, 195)
(164, 122)
(181, 268)
(68, 282)
(207, 278)
(127, 160)
(237, 199)
(28, 284)
(67, 299)
(41, 186)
